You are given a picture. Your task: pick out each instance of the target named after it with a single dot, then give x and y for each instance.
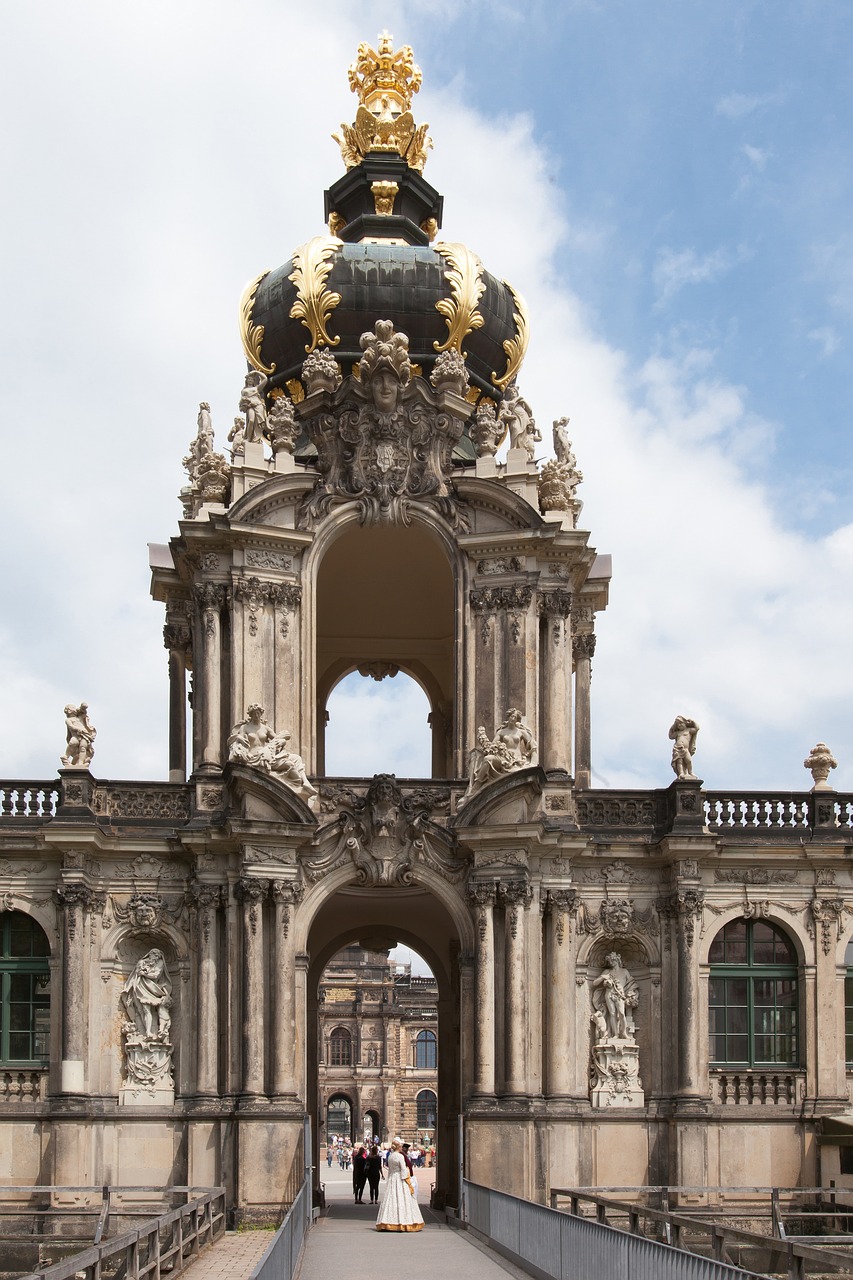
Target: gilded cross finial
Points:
(385, 80)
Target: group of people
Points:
(395, 1165)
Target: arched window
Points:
(340, 1048)
(425, 1051)
(848, 1005)
(426, 1104)
(752, 996)
(24, 991)
(339, 1118)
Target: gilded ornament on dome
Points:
(384, 80)
(252, 335)
(516, 347)
(314, 302)
(465, 276)
(383, 197)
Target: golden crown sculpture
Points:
(384, 80)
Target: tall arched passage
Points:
(424, 919)
(385, 596)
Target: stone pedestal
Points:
(616, 1074)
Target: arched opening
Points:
(354, 981)
(385, 599)
(339, 1118)
(753, 1000)
(378, 725)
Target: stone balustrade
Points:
(758, 1088)
(34, 800)
(23, 1086)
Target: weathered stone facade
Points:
(364, 522)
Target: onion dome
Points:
(378, 262)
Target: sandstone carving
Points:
(320, 372)
(819, 762)
(683, 733)
(209, 472)
(560, 477)
(516, 416)
(513, 747)
(255, 743)
(253, 404)
(388, 443)
(486, 431)
(147, 1001)
(79, 737)
(614, 1058)
(282, 427)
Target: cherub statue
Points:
(254, 406)
(237, 437)
(683, 733)
(79, 736)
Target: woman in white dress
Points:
(398, 1207)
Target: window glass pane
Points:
(717, 991)
(736, 991)
(736, 1020)
(738, 1049)
(764, 991)
(41, 1032)
(848, 959)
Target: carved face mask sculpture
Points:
(386, 390)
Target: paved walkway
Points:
(344, 1242)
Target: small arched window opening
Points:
(378, 724)
(426, 1110)
(752, 996)
(24, 991)
(426, 1051)
(340, 1048)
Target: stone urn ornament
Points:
(819, 762)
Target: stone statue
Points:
(560, 477)
(614, 1055)
(513, 747)
(683, 734)
(282, 425)
(516, 416)
(253, 404)
(208, 471)
(79, 737)
(255, 743)
(614, 997)
(147, 1000)
(820, 761)
(237, 437)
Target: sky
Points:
(668, 184)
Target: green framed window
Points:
(24, 991)
(753, 1003)
(340, 1048)
(426, 1051)
(848, 1005)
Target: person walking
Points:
(398, 1208)
(373, 1167)
(359, 1172)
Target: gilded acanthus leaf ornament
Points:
(314, 302)
(252, 335)
(464, 274)
(515, 348)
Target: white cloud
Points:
(735, 106)
(676, 268)
(827, 339)
(757, 156)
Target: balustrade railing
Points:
(758, 1088)
(28, 799)
(23, 1086)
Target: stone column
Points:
(177, 638)
(685, 908)
(286, 895)
(584, 648)
(210, 599)
(555, 608)
(828, 923)
(561, 905)
(481, 896)
(76, 900)
(206, 899)
(252, 893)
(515, 896)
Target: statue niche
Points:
(146, 1032)
(389, 441)
(614, 1056)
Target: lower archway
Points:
(377, 919)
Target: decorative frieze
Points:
(261, 558)
(143, 801)
(753, 875)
